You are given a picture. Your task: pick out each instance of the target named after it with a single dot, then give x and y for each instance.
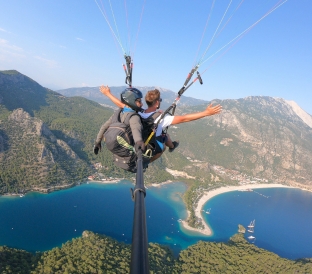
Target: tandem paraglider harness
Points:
(119, 140)
(171, 109)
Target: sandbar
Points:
(209, 194)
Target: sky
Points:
(78, 43)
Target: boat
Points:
(251, 230)
(252, 224)
(208, 211)
(180, 220)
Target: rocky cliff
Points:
(262, 136)
(31, 155)
(45, 139)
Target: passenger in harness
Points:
(153, 100)
(161, 139)
(122, 133)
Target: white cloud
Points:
(79, 39)
(47, 62)
(9, 52)
(4, 44)
(3, 30)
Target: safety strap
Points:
(135, 190)
(155, 115)
(174, 104)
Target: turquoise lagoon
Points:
(39, 222)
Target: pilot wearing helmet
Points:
(132, 103)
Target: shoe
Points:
(176, 144)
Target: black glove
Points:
(97, 147)
(139, 145)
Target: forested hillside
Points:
(94, 253)
(46, 139)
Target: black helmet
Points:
(129, 96)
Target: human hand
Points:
(139, 145)
(97, 147)
(212, 110)
(105, 90)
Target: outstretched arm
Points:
(210, 110)
(106, 91)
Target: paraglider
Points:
(210, 55)
(221, 21)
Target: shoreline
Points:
(161, 184)
(67, 186)
(210, 194)
(207, 231)
(61, 187)
(113, 181)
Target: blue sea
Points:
(39, 222)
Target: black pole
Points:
(139, 250)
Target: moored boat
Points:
(252, 224)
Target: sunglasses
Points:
(160, 100)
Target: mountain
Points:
(42, 157)
(307, 118)
(255, 138)
(257, 121)
(45, 138)
(94, 94)
(260, 136)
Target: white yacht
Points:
(252, 224)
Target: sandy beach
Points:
(206, 231)
(108, 181)
(208, 195)
(161, 184)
